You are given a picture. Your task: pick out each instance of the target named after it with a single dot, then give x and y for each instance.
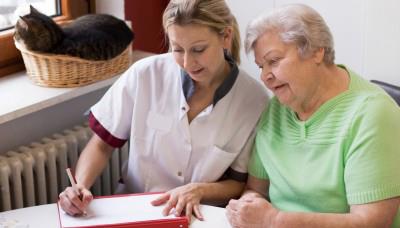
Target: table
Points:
(46, 216)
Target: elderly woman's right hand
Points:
(75, 201)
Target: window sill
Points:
(20, 97)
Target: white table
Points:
(46, 216)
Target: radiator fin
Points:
(35, 174)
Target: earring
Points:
(227, 52)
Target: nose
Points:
(187, 60)
(266, 74)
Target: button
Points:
(179, 173)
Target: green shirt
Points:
(347, 152)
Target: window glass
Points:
(10, 10)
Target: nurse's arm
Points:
(256, 187)
(92, 161)
(94, 157)
(219, 193)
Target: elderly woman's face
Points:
(287, 75)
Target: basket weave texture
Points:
(62, 71)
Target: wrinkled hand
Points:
(184, 199)
(74, 202)
(250, 211)
(250, 195)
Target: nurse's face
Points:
(199, 51)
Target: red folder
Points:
(99, 217)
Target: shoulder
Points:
(368, 107)
(368, 96)
(157, 67)
(274, 114)
(377, 110)
(156, 62)
(250, 87)
(250, 94)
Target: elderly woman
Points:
(325, 153)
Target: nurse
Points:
(189, 116)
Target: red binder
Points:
(123, 214)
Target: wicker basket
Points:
(51, 70)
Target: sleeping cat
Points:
(93, 36)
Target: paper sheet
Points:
(133, 208)
(213, 217)
(114, 210)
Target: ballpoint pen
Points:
(73, 183)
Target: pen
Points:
(73, 183)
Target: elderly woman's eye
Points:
(273, 61)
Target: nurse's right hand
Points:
(75, 201)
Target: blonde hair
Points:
(298, 24)
(214, 14)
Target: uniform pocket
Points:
(213, 165)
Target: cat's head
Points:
(38, 32)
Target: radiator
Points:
(35, 174)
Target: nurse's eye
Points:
(177, 50)
(199, 49)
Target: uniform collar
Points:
(188, 87)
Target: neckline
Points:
(327, 105)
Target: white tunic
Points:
(147, 106)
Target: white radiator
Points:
(35, 174)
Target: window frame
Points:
(10, 57)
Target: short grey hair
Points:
(295, 23)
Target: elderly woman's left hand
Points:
(250, 211)
(184, 199)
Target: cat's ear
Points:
(33, 10)
(22, 23)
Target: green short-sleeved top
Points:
(348, 152)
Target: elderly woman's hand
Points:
(75, 201)
(251, 211)
(184, 199)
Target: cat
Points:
(92, 36)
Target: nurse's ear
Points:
(227, 37)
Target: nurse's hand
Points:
(75, 201)
(185, 199)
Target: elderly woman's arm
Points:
(257, 212)
(377, 214)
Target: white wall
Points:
(366, 33)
